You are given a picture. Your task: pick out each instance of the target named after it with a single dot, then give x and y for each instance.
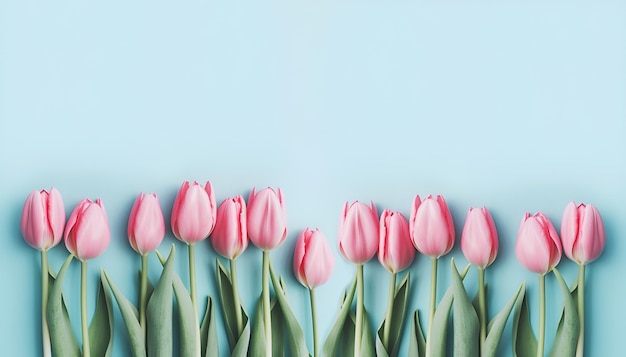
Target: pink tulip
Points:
(432, 228)
(358, 232)
(479, 241)
(267, 218)
(313, 261)
(582, 232)
(395, 248)
(230, 236)
(194, 211)
(538, 246)
(146, 227)
(43, 219)
(87, 233)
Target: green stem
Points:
(267, 313)
(433, 291)
(236, 301)
(192, 277)
(542, 315)
(388, 316)
(45, 332)
(143, 294)
(358, 331)
(482, 307)
(580, 349)
(83, 308)
(312, 296)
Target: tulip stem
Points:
(482, 307)
(267, 317)
(143, 294)
(313, 320)
(358, 331)
(192, 276)
(433, 291)
(83, 308)
(542, 315)
(389, 315)
(236, 301)
(45, 331)
(580, 349)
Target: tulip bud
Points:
(395, 248)
(358, 232)
(431, 227)
(538, 246)
(146, 227)
(87, 233)
(479, 241)
(43, 219)
(582, 233)
(313, 261)
(267, 218)
(230, 236)
(193, 214)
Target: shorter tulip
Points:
(538, 246)
(267, 218)
(358, 232)
(43, 219)
(87, 233)
(395, 250)
(582, 233)
(313, 261)
(479, 240)
(193, 214)
(146, 227)
(431, 226)
(230, 236)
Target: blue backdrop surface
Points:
(519, 106)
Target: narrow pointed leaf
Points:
(524, 340)
(242, 345)
(188, 318)
(466, 325)
(149, 290)
(496, 326)
(227, 300)
(257, 335)
(368, 343)
(347, 336)
(417, 343)
(567, 332)
(332, 344)
(476, 303)
(208, 331)
(101, 327)
(278, 330)
(397, 320)
(61, 335)
(159, 312)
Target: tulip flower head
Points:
(479, 240)
(582, 233)
(358, 232)
(267, 218)
(146, 226)
(538, 245)
(87, 233)
(395, 248)
(230, 236)
(431, 226)
(194, 211)
(43, 219)
(313, 261)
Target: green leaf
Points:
(188, 317)
(466, 325)
(208, 331)
(227, 300)
(496, 326)
(368, 344)
(257, 335)
(61, 335)
(524, 340)
(278, 330)
(241, 347)
(567, 333)
(347, 336)
(337, 333)
(149, 289)
(159, 312)
(476, 302)
(101, 327)
(417, 343)
(397, 320)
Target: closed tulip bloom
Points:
(582, 233)
(146, 227)
(538, 245)
(87, 233)
(43, 219)
(358, 232)
(431, 226)
(230, 236)
(313, 261)
(267, 218)
(395, 248)
(479, 240)
(194, 211)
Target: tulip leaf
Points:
(149, 288)
(101, 327)
(159, 312)
(347, 336)
(337, 333)
(524, 340)
(278, 329)
(368, 344)
(397, 320)
(241, 347)
(257, 335)
(476, 302)
(61, 334)
(417, 343)
(227, 300)
(497, 324)
(208, 331)
(567, 333)
(188, 318)
(466, 325)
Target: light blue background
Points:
(516, 105)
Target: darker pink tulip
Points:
(194, 211)
(43, 219)
(582, 233)
(479, 240)
(538, 246)
(395, 248)
(146, 227)
(87, 233)
(230, 236)
(267, 218)
(313, 261)
(358, 232)
(431, 226)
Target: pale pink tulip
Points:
(479, 240)
(194, 211)
(146, 226)
(582, 233)
(313, 261)
(538, 245)
(230, 236)
(358, 232)
(395, 248)
(267, 218)
(43, 219)
(431, 226)
(87, 233)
